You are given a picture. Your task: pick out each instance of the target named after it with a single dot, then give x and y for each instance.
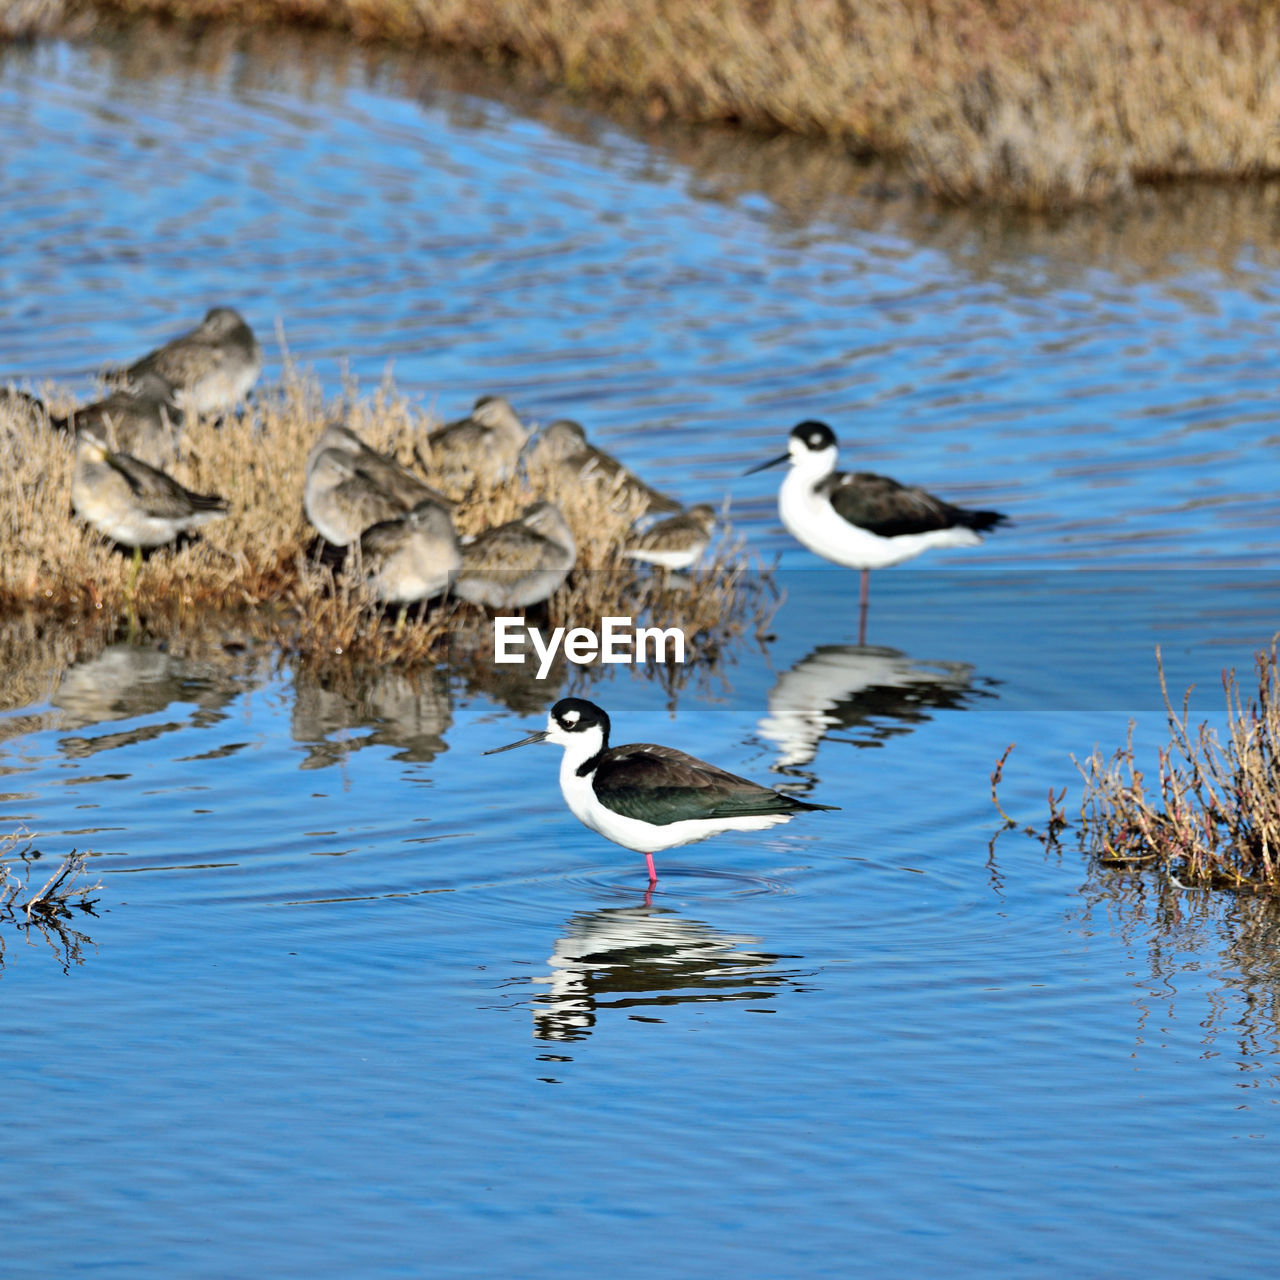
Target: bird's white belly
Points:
(667, 559)
(221, 389)
(644, 837)
(813, 521)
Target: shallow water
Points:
(356, 1000)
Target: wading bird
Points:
(859, 519)
(646, 797)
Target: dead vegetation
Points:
(1210, 816)
(264, 566)
(41, 906)
(1037, 106)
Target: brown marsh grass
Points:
(1038, 106)
(261, 565)
(1210, 816)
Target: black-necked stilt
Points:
(488, 439)
(519, 563)
(676, 542)
(645, 797)
(862, 520)
(563, 447)
(212, 368)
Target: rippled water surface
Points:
(356, 1000)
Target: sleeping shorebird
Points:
(396, 481)
(519, 563)
(212, 368)
(563, 448)
(131, 503)
(342, 501)
(140, 418)
(488, 439)
(677, 542)
(862, 520)
(645, 797)
(413, 558)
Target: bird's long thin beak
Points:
(764, 466)
(540, 736)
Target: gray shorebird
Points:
(676, 542)
(394, 480)
(862, 520)
(563, 448)
(141, 419)
(212, 368)
(341, 501)
(646, 797)
(132, 503)
(519, 563)
(488, 439)
(413, 558)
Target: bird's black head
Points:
(813, 435)
(803, 444)
(577, 715)
(579, 726)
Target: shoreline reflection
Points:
(1219, 949)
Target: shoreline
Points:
(1038, 109)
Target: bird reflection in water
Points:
(842, 686)
(409, 710)
(641, 960)
(132, 681)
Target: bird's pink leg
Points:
(653, 875)
(864, 596)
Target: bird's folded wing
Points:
(662, 785)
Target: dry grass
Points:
(1039, 106)
(260, 566)
(1211, 817)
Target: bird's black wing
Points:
(662, 785)
(884, 507)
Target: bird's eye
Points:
(570, 717)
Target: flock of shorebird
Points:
(643, 796)
(400, 528)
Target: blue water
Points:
(356, 1000)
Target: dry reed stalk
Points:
(1211, 816)
(1039, 106)
(22, 19)
(50, 906)
(260, 565)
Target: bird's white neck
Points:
(578, 748)
(812, 466)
